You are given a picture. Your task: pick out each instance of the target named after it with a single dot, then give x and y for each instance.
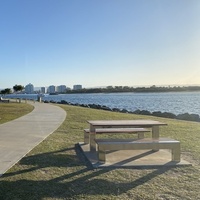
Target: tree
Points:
(6, 91)
(17, 88)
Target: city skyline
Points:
(36, 88)
(100, 43)
(32, 87)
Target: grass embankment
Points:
(52, 170)
(11, 111)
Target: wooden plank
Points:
(144, 140)
(118, 130)
(137, 144)
(140, 132)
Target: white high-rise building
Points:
(77, 87)
(61, 89)
(52, 89)
(29, 89)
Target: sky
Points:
(99, 43)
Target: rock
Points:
(145, 112)
(137, 111)
(189, 117)
(64, 102)
(169, 115)
(116, 109)
(124, 111)
(157, 114)
(106, 108)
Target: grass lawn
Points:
(10, 111)
(52, 170)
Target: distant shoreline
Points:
(119, 89)
(123, 89)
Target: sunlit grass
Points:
(52, 170)
(10, 111)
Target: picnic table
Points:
(129, 126)
(97, 124)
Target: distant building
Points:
(43, 90)
(29, 89)
(77, 87)
(52, 89)
(61, 89)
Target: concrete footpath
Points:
(20, 136)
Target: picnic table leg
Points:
(92, 137)
(176, 153)
(101, 155)
(92, 142)
(155, 135)
(155, 132)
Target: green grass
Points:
(52, 170)
(11, 111)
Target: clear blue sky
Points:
(99, 42)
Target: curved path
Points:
(20, 136)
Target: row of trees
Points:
(16, 88)
(111, 89)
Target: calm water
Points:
(174, 102)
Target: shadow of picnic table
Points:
(73, 183)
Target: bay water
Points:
(173, 102)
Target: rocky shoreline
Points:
(184, 116)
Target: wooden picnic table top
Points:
(125, 123)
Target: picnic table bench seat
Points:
(104, 145)
(139, 131)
